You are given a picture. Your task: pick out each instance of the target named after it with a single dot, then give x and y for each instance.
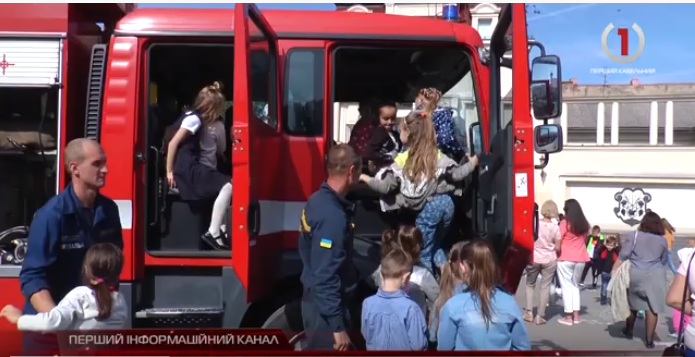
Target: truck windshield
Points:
(363, 74)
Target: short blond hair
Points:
(549, 209)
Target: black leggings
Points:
(594, 272)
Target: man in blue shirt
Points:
(62, 231)
(325, 247)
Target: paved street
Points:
(598, 331)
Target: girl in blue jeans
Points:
(421, 179)
(434, 221)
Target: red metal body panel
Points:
(11, 294)
(118, 134)
(76, 24)
(520, 253)
(301, 23)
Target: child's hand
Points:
(370, 166)
(473, 160)
(11, 313)
(365, 178)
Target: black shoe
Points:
(649, 344)
(627, 334)
(594, 286)
(604, 302)
(215, 242)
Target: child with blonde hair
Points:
(473, 311)
(442, 120)
(421, 179)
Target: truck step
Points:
(159, 313)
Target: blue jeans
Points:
(605, 279)
(434, 221)
(670, 263)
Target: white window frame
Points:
(485, 11)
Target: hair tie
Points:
(112, 288)
(100, 280)
(423, 114)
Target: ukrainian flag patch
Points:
(326, 243)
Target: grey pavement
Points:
(597, 331)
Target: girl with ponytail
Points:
(421, 179)
(442, 120)
(96, 306)
(473, 311)
(191, 161)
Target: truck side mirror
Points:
(475, 139)
(546, 87)
(547, 139)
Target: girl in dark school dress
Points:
(187, 167)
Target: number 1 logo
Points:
(623, 33)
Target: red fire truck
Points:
(45, 52)
(284, 70)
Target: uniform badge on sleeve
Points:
(326, 243)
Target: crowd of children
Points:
(468, 310)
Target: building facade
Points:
(628, 149)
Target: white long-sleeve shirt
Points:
(77, 311)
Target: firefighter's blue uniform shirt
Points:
(325, 247)
(59, 236)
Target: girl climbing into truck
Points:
(443, 120)
(421, 179)
(192, 158)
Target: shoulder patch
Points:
(326, 243)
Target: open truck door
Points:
(255, 153)
(506, 203)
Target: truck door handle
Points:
(159, 189)
(253, 220)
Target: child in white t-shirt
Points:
(96, 306)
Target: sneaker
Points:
(581, 285)
(673, 335)
(216, 243)
(566, 321)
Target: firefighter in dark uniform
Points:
(325, 247)
(60, 235)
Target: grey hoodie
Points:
(399, 192)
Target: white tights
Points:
(219, 209)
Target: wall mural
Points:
(632, 205)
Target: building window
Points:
(485, 28)
(348, 131)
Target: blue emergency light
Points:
(450, 12)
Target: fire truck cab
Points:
(284, 71)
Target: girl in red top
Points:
(573, 256)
